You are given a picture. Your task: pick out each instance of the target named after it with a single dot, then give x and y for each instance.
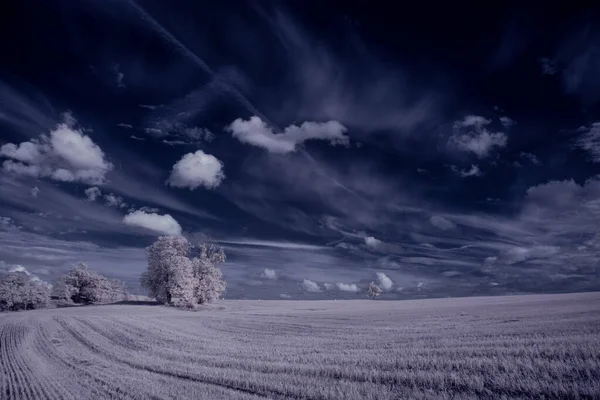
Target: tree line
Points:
(178, 273)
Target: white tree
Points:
(82, 285)
(174, 277)
(373, 291)
(17, 292)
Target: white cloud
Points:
(149, 106)
(344, 287)
(590, 141)
(472, 121)
(161, 224)
(441, 223)
(257, 133)
(19, 268)
(126, 126)
(113, 200)
(269, 274)
(328, 286)
(310, 286)
(383, 281)
(519, 254)
(28, 152)
(531, 157)
(154, 132)
(66, 155)
(473, 171)
(471, 135)
(93, 193)
(197, 169)
(507, 122)
(197, 134)
(285, 296)
(35, 191)
(372, 243)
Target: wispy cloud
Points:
(472, 135)
(589, 140)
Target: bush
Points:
(84, 286)
(174, 278)
(17, 292)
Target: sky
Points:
(324, 145)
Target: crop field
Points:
(517, 347)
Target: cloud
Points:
(579, 57)
(257, 133)
(35, 191)
(328, 286)
(349, 84)
(196, 134)
(197, 169)
(155, 132)
(113, 200)
(120, 76)
(344, 287)
(548, 66)
(383, 281)
(589, 141)
(471, 135)
(136, 138)
(441, 223)
(269, 274)
(380, 246)
(161, 224)
(66, 155)
(518, 254)
(285, 296)
(531, 157)
(149, 106)
(93, 193)
(174, 142)
(373, 243)
(126, 126)
(507, 122)
(473, 171)
(310, 286)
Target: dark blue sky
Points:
(437, 151)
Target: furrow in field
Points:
(129, 376)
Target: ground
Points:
(516, 347)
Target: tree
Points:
(84, 286)
(373, 291)
(175, 277)
(17, 292)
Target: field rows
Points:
(525, 347)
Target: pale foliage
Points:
(174, 277)
(373, 291)
(17, 292)
(82, 285)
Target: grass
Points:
(519, 347)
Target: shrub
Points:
(173, 277)
(84, 286)
(17, 292)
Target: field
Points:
(518, 347)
